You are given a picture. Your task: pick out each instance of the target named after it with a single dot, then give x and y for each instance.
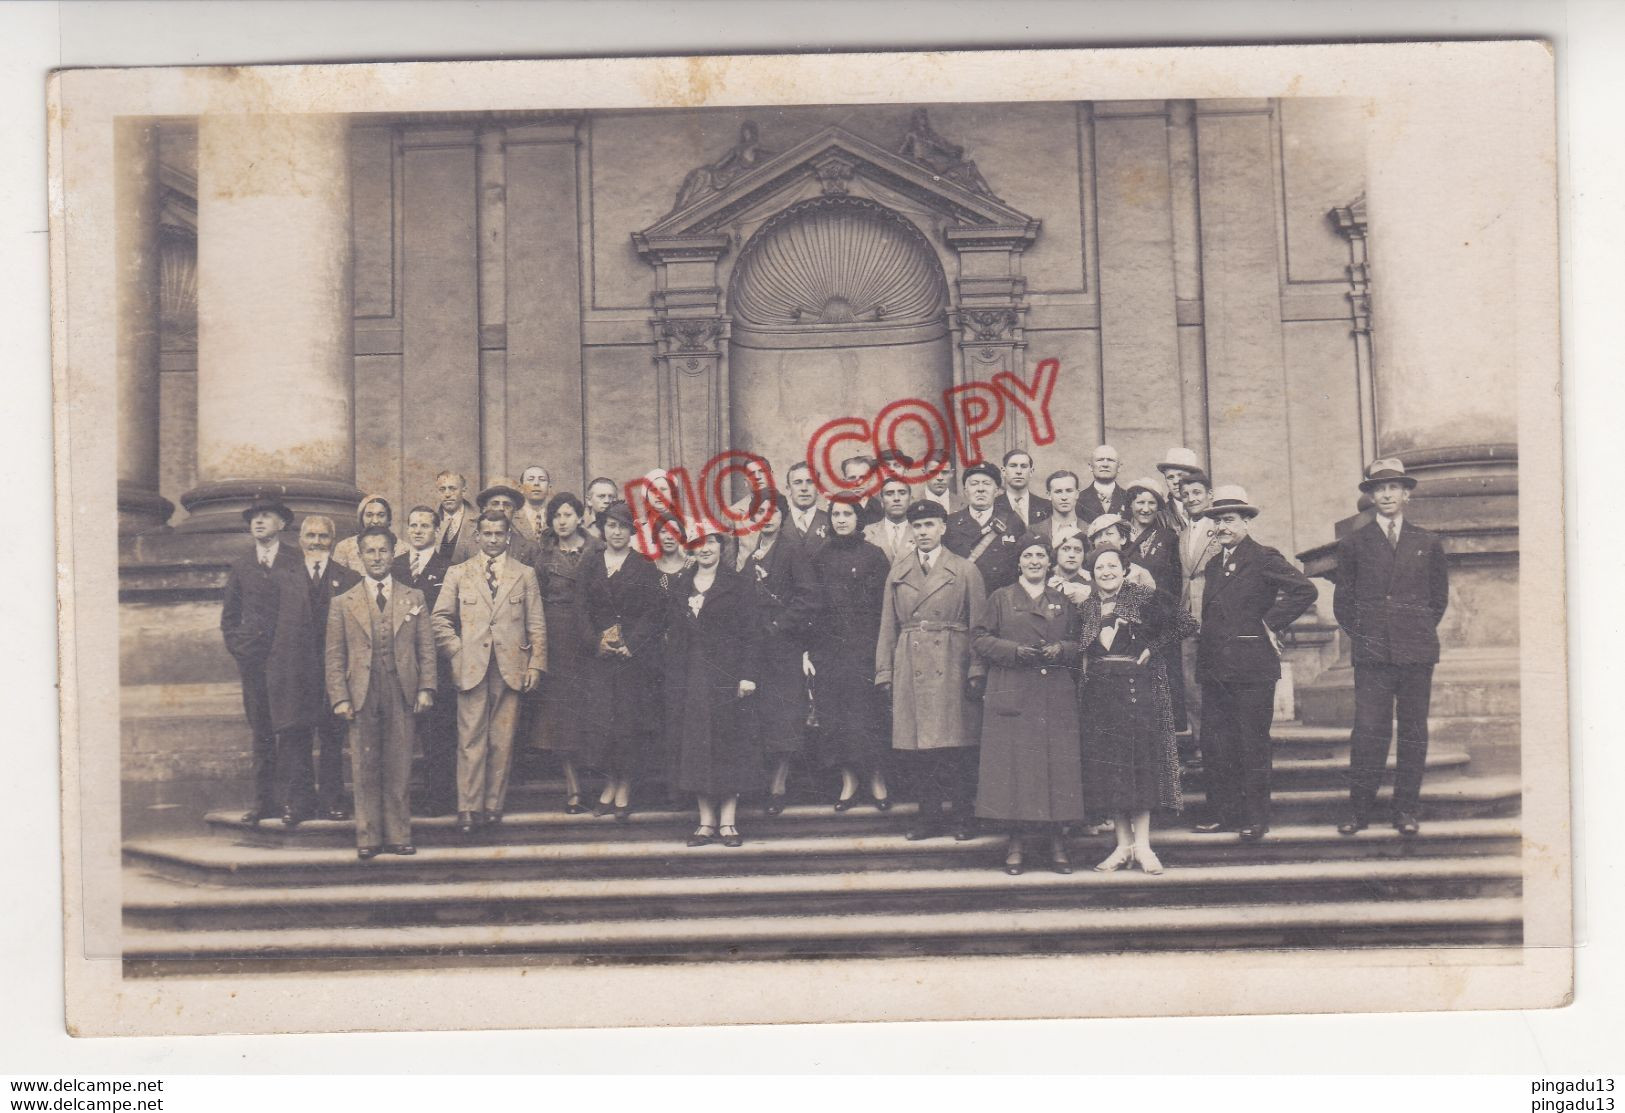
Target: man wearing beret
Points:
(1250, 596)
(925, 667)
(1392, 590)
(985, 532)
(266, 624)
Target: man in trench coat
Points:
(925, 666)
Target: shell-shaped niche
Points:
(837, 261)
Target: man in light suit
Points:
(1031, 509)
(456, 539)
(1251, 595)
(1392, 590)
(380, 674)
(1103, 495)
(1196, 548)
(489, 626)
(504, 497)
(892, 535)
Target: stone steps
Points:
(154, 903)
(1488, 921)
(217, 862)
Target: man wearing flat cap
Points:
(266, 624)
(986, 532)
(1392, 590)
(924, 665)
(1250, 596)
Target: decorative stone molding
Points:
(834, 173)
(1350, 222)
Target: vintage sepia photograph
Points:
(964, 520)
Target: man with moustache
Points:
(265, 624)
(1103, 495)
(987, 535)
(1250, 596)
(530, 518)
(1392, 590)
(380, 666)
(504, 498)
(925, 668)
(456, 540)
(489, 626)
(1030, 508)
(892, 535)
(423, 567)
(327, 580)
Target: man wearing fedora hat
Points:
(1392, 590)
(986, 532)
(266, 624)
(1251, 594)
(1177, 464)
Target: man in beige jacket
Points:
(489, 625)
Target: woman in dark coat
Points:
(624, 612)
(558, 718)
(1155, 547)
(712, 663)
(1030, 776)
(1130, 764)
(786, 598)
(850, 577)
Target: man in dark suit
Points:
(327, 579)
(806, 523)
(457, 538)
(264, 621)
(1392, 590)
(423, 567)
(985, 532)
(1018, 498)
(1103, 495)
(855, 470)
(1250, 596)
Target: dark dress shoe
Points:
(775, 803)
(466, 822)
(401, 848)
(367, 853)
(883, 803)
(335, 813)
(965, 832)
(603, 808)
(252, 818)
(491, 817)
(1405, 823)
(1060, 861)
(291, 818)
(702, 836)
(735, 839)
(1252, 833)
(1353, 825)
(847, 803)
(1012, 862)
(573, 805)
(926, 831)
(623, 815)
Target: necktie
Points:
(316, 572)
(491, 575)
(381, 602)
(925, 564)
(265, 561)
(418, 560)
(1224, 558)
(1393, 534)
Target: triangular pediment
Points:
(833, 157)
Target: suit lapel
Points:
(399, 605)
(356, 600)
(505, 583)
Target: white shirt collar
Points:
(387, 583)
(803, 517)
(929, 558)
(1106, 489)
(1397, 519)
(315, 562)
(267, 552)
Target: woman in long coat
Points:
(1155, 547)
(850, 575)
(786, 599)
(624, 610)
(558, 717)
(712, 663)
(1031, 771)
(1130, 763)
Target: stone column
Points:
(1442, 277)
(135, 157)
(275, 344)
(989, 317)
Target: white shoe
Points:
(1147, 860)
(1116, 860)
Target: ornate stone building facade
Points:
(350, 305)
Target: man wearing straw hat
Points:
(1392, 590)
(1177, 464)
(1251, 595)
